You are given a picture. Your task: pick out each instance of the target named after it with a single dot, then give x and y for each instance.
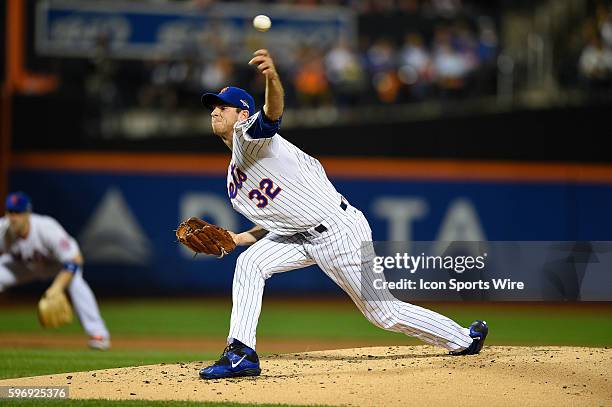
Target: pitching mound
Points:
(415, 375)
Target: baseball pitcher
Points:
(36, 247)
(301, 220)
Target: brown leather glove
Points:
(54, 310)
(203, 237)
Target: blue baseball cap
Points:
(231, 96)
(18, 202)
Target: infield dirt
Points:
(378, 376)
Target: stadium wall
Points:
(123, 209)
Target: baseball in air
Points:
(262, 23)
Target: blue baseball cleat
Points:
(478, 332)
(237, 360)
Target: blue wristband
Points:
(72, 267)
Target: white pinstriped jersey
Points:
(276, 185)
(279, 187)
(47, 242)
(40, 256)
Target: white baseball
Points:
(262, 23)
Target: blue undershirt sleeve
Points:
(264, 127)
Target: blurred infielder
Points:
(36, 247)
(300, 220)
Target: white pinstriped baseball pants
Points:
(338, 253)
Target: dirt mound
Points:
(399, 375)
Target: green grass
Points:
(193, 319)
(537, 327)
(510, 323)
(176, 318)
(33, 362)
(561, 324)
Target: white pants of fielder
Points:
(338, 252)
(82, 298)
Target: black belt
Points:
(321, 228)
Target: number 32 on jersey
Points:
(260, 196)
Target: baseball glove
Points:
(203, 237)
(54, 310)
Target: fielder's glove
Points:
(203, 237)
(54, 310)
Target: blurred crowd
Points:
(449, 53)
(456, 62)
(405, 51)
(595, 62)
(587, 62)
(445, 8)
